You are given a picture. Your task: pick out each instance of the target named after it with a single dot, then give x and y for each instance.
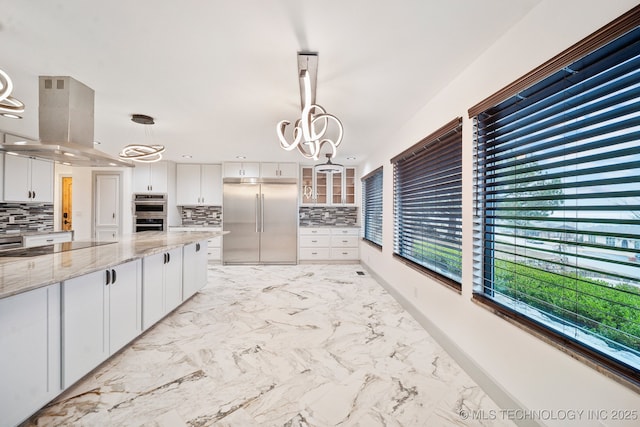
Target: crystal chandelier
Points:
(140, 152)
(10, 107)
(310, 130)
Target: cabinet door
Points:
(322, 188)
(42, 181)
(173, 280)
(307, 189)
(211, 192)
(141, 178)
(17, 176)
(194, 276)
(30, 352)
(288, 170)
(84, 326)
(152, 289)
(269, 170)
(124, 305)
(336, 180)
(158, 177)
(188, 184)
(241, 170)
(350, 186)
(251, 170)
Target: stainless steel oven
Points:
(149, 212)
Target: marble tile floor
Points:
(306, 345)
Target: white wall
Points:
(535, 374)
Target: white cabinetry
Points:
(199, 185)
(194, 271)
(151, 178)
(29, 352)
(161, 285)
(319, 188)
(241, 170)
(27, 180)
(278, 170)
(328, 244)
(100, 314)
(214, 244)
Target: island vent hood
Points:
(66, 119)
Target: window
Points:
(557, 160)
(372, 207)
(427, 204)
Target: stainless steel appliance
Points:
(149, 212)
(262, 218)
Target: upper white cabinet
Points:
(241, 170)
(28, 180)
(151, 178)
(101, 313)
(278, 170)
(30, 352)
(198, 185)
(319, 188)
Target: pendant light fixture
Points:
(310, 130)
(141, 152)
(329, 167)
(10, 107)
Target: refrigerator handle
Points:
(262, 213)
(257, 212)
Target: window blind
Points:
(372, 207)
(557, 176)
(428, 204)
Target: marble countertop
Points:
(19, 275)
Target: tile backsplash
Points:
(210, 216)
(25, 217)
(328, 216)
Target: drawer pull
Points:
(314, 241)
(314, 253)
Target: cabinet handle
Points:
(108, 278)
(314, 253)
(114, 215)
(34, 194)
(168, 258)
(314, 241)
(113, 276)
(164, 258)
(345, 241)
(197, 247)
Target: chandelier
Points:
(10, 107)
(141, 152)
(310, 130)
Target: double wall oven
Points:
(149, 212)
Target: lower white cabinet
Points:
(29, 352)
(100, 314)
(194, 271)
(214, 244)
(328, 244)
(161, 285)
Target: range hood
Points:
(66, 118)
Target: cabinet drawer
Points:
(344, 241)
(214, 254)
(345, 231)
(215, 242)
(314, 253)
(46, 239)
(314, 241)
(313, 231)
(344, 253)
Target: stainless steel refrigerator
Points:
(262, 218)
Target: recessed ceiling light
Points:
(241, 157)
(97, 142)
(351, 158)
(187, 156)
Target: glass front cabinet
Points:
(319, 188)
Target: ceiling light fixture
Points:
(329, 167)
(309, 131)
(143, 153)
(10, 107)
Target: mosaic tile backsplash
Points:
(337, 216)
(210, 216)
(25, 217)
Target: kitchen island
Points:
(64, 313)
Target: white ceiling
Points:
(218, 75)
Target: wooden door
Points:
(67, 193)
